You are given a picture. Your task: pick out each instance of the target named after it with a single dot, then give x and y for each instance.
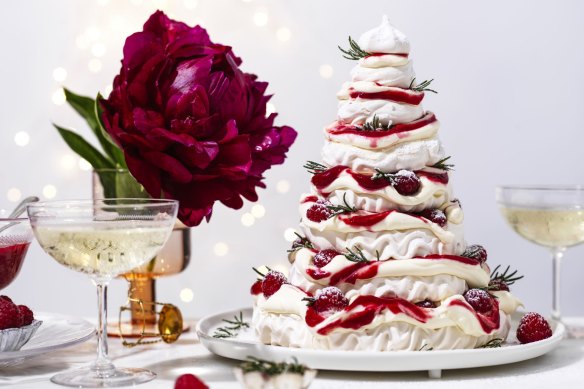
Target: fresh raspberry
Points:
(323, 257)
(25, 315)
(533, 327)
(319, 211)
(9, 317)
(6, 298)
(481, 301)
(256, 288)
(189, 381)
(272, 282)
(426, 304)
(497, 285)
(329, 299)
(434, 215)
(405, 182)
(477, 252)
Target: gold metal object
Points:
(170, 322)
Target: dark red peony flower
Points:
(192, 125)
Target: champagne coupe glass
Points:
(103, 238)
(550, 216)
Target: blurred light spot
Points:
(247, 219)
(260, 18)
(326, 71)
(49, 191)
(258, 211)
(290, 234)
(94, 65)
(270, 109)
(59, 74)
(84, 165)
(82, 41)
(21, 138)
(283, 34)
(117, 22)
(187, 295)
(59, 97)
(68, 162)
(221, 249)
(98, 49)
(190, 4)
(93, 33)
(283, 186)
(13, 195)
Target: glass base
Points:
(86, 378)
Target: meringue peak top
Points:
(384, 39)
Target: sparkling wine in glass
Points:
(550, 216)
(103, 239)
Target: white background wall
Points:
(510, 80)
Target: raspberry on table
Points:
(533, 327)
(189, 381)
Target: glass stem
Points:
(557, 255)
(103, 367)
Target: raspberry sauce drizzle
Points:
(396, 94)
(371, 307)
(368, 270)
(488, 323)
(340, 129)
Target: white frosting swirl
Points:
(414, 155)
(395, 244)
(384, 39)
(397, 76)
(358, 111)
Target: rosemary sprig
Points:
(383, 175)
(301, 242)
(357, 255)
(493, 343)
(374, 125)
(443, 165)
(339, 209)
(233, 328)
(271, 368)
(425, 347)
(315, 167)
(259, 273)
(421, 87)
(505, 276)
(355, 52)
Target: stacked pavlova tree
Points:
(382, 263)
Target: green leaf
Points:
(84, 149)
(116, 153)
(86, 108)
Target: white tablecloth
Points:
(561, 368)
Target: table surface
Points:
(563, 367)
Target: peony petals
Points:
(192, 125)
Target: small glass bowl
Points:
(12, 339)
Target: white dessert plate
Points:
(56, 332)
(245, 344)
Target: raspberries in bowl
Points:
(17, 324)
